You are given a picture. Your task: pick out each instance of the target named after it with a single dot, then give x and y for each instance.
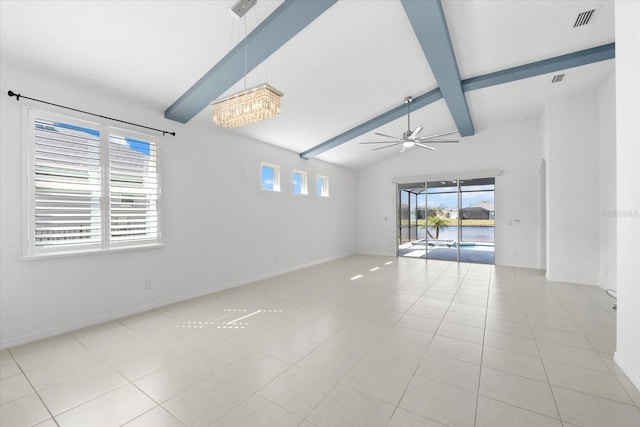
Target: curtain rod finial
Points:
(12, 93)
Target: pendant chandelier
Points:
(250, 105)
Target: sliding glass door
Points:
(442, 220)
(477, 220)
(452, 220)
(411, 220)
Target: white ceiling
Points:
(356, 61)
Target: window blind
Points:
(90, 186)
(133, 189)
(67, 184)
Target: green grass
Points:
(479, 222)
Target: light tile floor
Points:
(407, 343)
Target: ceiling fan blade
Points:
(387, 146)
(381, 142)
(440, 141)
(386, 136)
(416, 131)
(437, 135)
(424, 146)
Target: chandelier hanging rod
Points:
(250, 105)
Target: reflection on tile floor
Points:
(480, 254)
(359, 341)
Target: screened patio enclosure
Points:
(451, 220)
(411, 213)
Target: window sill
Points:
(49, 255)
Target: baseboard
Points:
(156, 304)
(500, 263)
(624, 366)
(377, 253)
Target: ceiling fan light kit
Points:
(250, 105)
(410, 137)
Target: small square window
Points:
(270, 177)
(322, 186)
(299, 180)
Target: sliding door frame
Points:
(405, 184)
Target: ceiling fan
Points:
(410, 138)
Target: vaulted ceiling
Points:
(345, 67)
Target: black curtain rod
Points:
(18, 96)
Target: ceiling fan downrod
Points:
(407, 101)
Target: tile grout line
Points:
(633, 405)
(122, 375)
(580, 330)
(484, 333)
(256, 393)
(129, 381)
(434, 333)
(596, 351)
(525, 377)
(33, 388)
(337, 383)
(535, 339)
(426, 266)
(530, 290)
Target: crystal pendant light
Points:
(251, 105)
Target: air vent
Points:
(557, 78)
(585, 17)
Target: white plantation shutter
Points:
(90, 187)
(133, 189)
(67, 184)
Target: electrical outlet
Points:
(147, 284)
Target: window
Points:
(90, 187)
(133, 189)
(299, 180)
(270, 177)
(322, 186)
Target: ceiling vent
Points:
(557, 78)
(585, 17)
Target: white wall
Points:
(514, 149)
(607, 171)
(220, 228)
(573, 189)
(628, 196)
(546, 240)
(542, 197)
